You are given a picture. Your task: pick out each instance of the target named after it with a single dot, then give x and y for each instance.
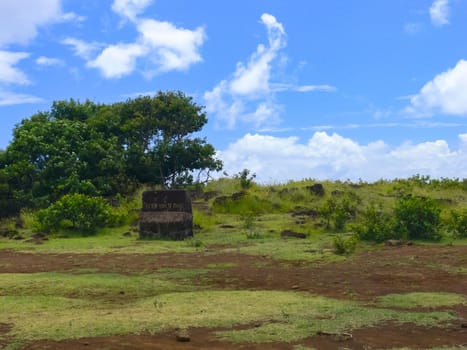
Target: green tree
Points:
(417, 218)
(98, 149)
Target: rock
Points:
(312, 213)
(288, 233)
(19, 223)
(127, 234)
(316, 189)
(221, 200)
(166, 214)
(238, 195)
(398, 243)
(40, 235)
(183, 336)
(394, 242)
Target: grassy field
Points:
(238, 281)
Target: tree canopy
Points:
(104, 149)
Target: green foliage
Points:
(104, 150)
(376, 225)
(344, 246)
(417, 218)
(413, 218)
(77, 212)
(336, 212)
(246, 178)
(458, 223)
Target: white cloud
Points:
(9, 74)
(446, 93)
(11, 98)
(117, 60)
(326, 156)
(81, 48)
(130, 8)
(171, 48)
(249, 95)
(21, 19)
(160, 45)
(439, 12)
(48, 61)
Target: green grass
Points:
(285, 316)
(87, 286)
(415, 300)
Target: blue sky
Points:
(293, 89)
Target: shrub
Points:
(344, 246)
(417, 218)
(376, 225)
(77, 212)
(458, 223)
(337, 213)
(246, 178)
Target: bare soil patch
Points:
(363, 277)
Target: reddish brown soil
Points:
(362, 277)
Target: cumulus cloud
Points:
(171, 48)
(21, 19)
(249, 94)
(446, 93)
(439, 12)
(130, 8)
(9, 74)
(332, 156)
(117, 60)
(160, 45)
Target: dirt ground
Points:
(361, 277)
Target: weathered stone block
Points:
(166, 214)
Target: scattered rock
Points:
(183, 336)
(238, 195)
(221, 200)
(295, 286)
(226, 226)
(305, 212)
(288, 233)
(40, 235)
(464, 325)
(316, 189)
(8, 233)
(19, 223)
(397, 243)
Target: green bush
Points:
(337, 213)
(417, 218)
(246, 178)
(76, 212)
(458, 223)
(344, 246)
(376, 225)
